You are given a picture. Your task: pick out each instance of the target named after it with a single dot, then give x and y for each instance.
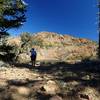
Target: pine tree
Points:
(12, 15)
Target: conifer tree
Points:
(12, 15)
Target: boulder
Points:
(23, 58)
(51, 87)
(89, 94)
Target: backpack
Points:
(33, 53)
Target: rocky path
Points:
(22, 83)
(17, 73)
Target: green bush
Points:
(6, 53)
(26, 42)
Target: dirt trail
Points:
(21, 82)
(17, 73)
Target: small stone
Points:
(87, 77)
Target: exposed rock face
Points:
(64, 47)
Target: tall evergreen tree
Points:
(12, 15)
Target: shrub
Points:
(26, 42)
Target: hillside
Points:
(55, 39)
(54, 46)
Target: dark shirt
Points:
(33, 52)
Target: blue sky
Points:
(74, 17)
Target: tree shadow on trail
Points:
(83, 66)
(87, 71)
(22, 65)
(77, 76)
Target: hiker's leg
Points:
(32, 62)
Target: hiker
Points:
(33, 56)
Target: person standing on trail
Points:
(33, 56)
